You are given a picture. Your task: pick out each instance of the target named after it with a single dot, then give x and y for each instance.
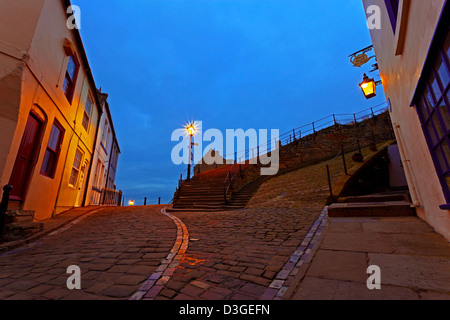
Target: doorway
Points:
(26, 157)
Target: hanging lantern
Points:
(369, 87)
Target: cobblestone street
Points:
(116, 249)
(231, 255)
(144, 253)
(236, 254)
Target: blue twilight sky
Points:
(263, 64)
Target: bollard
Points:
(145, 201)
(4, 206)
(159, 200)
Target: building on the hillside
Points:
(412, 50)
(211, 160)
(101, 189)
(49, 108)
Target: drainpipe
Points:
(406, 166)
(110, 160)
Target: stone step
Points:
(203, 189)
(202, 193)
(371, 209)
(200, 198)
(20, 216)
(194, 210)
(20, 230)
(14, 205)
(189, 204)
(376, 198)
(241, 197)
(207, 189)
(239, 204)
(205, 208)
(203, 184)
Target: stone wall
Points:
(324, 144)
(327, 143)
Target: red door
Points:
(21, 173)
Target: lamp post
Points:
(191, 130)
(369, 87)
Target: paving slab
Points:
(414, 261)
(340, 265)
(325, 289)
(358, 242)
(421, 272)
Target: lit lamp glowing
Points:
(369, 87)
(131, 202)
(191, 130)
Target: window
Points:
(87, 113)
(105, 134)
(392, 7)
(108, 139)
(97, 174)
(70, 77)
(53, 149)
(76, 168)
(433, 107)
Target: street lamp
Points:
(369, 87)
(191, 130)
(131, 202)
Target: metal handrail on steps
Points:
(355, 145)
(228, 182)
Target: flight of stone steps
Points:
(205, 191)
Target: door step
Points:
(376, 198)
(24, 216)
(371, 209)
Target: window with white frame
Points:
(76, 168)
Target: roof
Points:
(82, 51)
(79, 41)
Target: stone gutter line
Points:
(7, 247)
(288, 278)
(150, 289)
